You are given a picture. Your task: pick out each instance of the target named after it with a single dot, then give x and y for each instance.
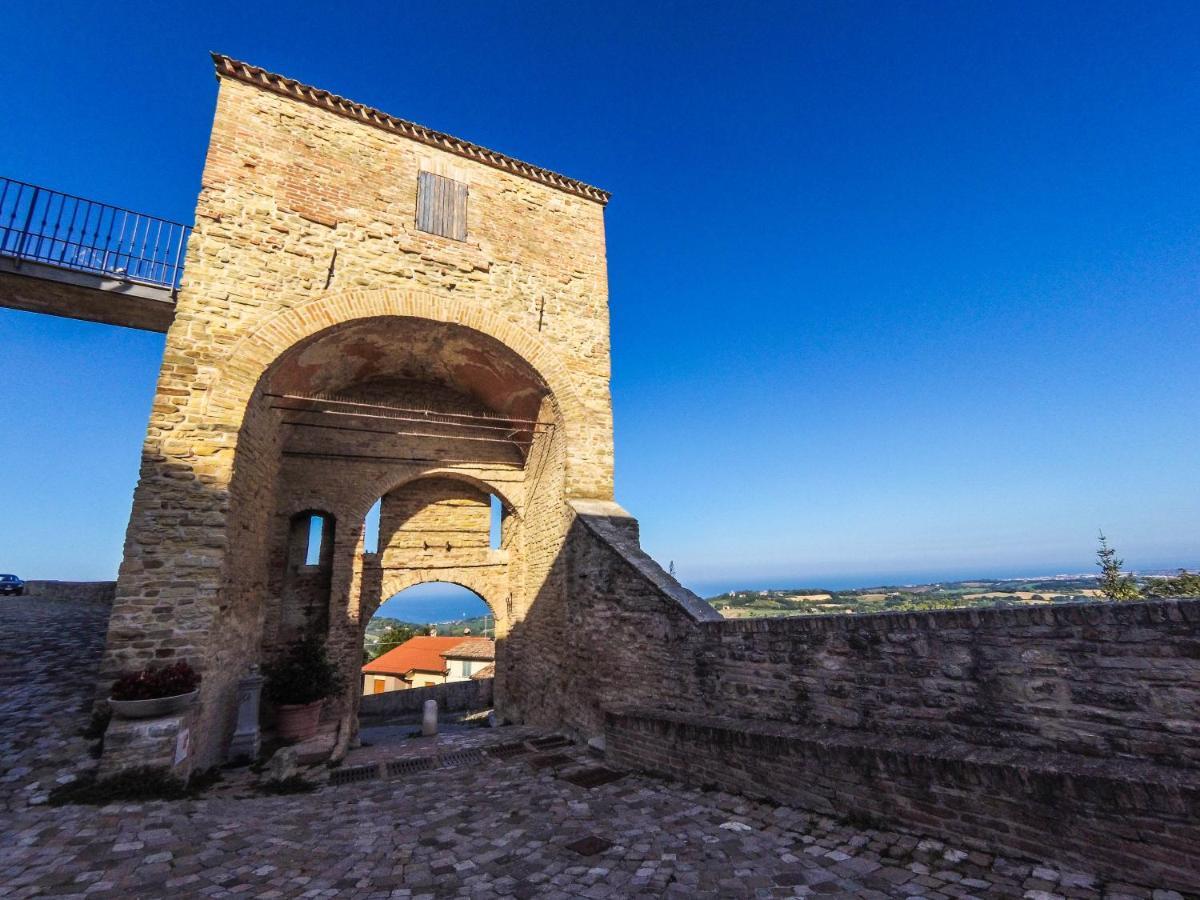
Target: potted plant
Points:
(154, 691)
(298, 684)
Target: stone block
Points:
(163, 743)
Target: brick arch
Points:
(361, 502)
(251, 357)
(488, 589)
(311, 501)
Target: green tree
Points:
(390, 637)
(1185, 584)
(1115, 584)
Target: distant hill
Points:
(978, 593)
(379, 624)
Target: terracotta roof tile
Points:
(472, 648)
(424, 654)
(289, 87)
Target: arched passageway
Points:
(327, 350)
(385, 453)
(428, 635)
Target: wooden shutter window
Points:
(441, 206)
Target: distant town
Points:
(974, 594)
(979, 593)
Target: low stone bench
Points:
(1118, 818)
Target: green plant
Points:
(1185, 584)
(393, 636)
(155, 682)
(305, 675)
(1113, 582)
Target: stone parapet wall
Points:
(78, 591)
(1108, 680)
(1130, 822)
(452, 697)
(630, 628)
(1070, 731)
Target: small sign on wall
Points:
(183, 745)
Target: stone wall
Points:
(1107, 680)
(433, 516)
(1130, 822)
(453, 697)
(629, 628)
(1068, 731)
(101, 592)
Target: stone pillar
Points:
(245, 743)
(429, 719)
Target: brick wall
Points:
(629, 627)
(433, 516)
(1069, 732)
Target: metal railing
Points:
(60, 229)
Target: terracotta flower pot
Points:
(149, 709)
(298, 722)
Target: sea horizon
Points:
(438, 603)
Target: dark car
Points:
(11, 584)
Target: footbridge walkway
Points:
(83, 259)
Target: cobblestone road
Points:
(49, 651)
(507, 823)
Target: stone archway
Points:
(385, 406)
(437, 529)
(229, 388)
(512, 323)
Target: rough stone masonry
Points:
(372, 311)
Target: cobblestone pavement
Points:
(49, 651)
(475, 813)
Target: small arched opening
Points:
(498, 512)
(305, 576)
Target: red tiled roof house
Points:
(469, 657)
(427, 661)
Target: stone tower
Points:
(371, 311)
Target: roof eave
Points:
(227, 67)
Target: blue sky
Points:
(898, 290)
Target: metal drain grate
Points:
(409, 766)
(593, 777)
(462, 758)
(551, 743)
(507, 751)
(590, 845)
(550, 761)
(353, 774)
